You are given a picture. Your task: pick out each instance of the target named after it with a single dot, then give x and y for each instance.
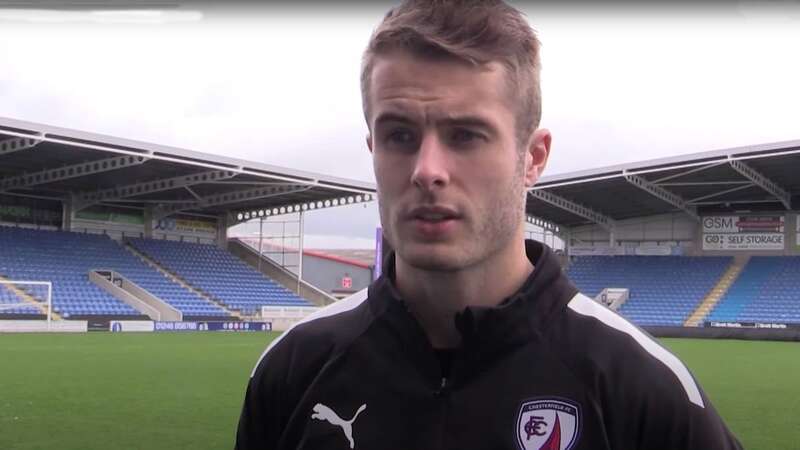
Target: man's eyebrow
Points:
(468, 121)
(464, 121)
(392, 117)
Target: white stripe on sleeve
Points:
(583, 305)
(339, 307)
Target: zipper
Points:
(440, 395)
(442, 388)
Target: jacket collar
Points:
(519, 317)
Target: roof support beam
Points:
(716, 194)
(662, 194)
(244, 216)
(762, 181)
(688, 172)
(736, 202)
(574, 208)
(164, 210)
(70, 171)
(194, 194)
(706, 183)
(16, 144)
(87, 199)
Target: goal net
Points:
(26, 297)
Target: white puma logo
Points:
(322, 412)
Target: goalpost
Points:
(39, 294)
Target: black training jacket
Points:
(548, 369)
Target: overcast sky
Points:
(280, 85)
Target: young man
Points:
(473, 338)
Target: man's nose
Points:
(430, 168)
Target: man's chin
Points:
(436, 258)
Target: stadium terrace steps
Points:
(178, 279)
(280, 275)
(219, 274)
(124, 289)
(664, 290)
(725, 282)
(767, 291)
(161, 285)
(66, 259)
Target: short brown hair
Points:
(475, 31)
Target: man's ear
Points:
(536, 155)
(369, 142)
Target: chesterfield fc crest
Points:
(548, 424)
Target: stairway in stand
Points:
(717, 292)
(154, 264)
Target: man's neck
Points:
(434, 298)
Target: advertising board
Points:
(743, 224)
(186, 227)
(743, 233)
(236, 326)
(211, 326)
(643, 249)
(761, 325)
(40, 213)
(596, 250)
(120, 326)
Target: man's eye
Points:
(463, 136)
(402, 136)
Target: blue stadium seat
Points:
(664, 290)
(767, 291)
(66, 258)
(219, 274)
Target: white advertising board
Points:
(743, 224)
(131, 325)
(654, 250)
(743, 241)
(743, 233)
(40, 326)
(644, 249)
(177, 228)
(595, 250)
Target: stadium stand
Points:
(767, 291)
(664, 290)
(219, 274)
(66, 258)
(684, 204)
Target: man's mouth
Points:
(433, 214)
(433, 217)
(433, 222)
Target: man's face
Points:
(451, 178)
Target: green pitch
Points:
(754, 385)
(153, 391)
